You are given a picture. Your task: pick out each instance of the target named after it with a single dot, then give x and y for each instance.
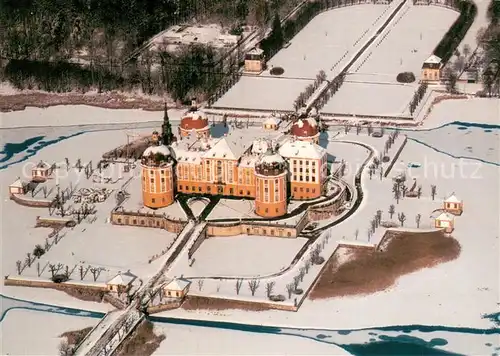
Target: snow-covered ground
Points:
(28, 332)
(326, 43)
(371, 99)
(402, 47)
(232, 342)
(477, 110)
(243, 256)
(232, 208)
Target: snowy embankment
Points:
(402, 47)
(326, 43)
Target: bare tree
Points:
(392, 210)
(396, 190)
(200, 284)
(466, 50)
(419, 191)
(28, 259)
(296, 281)
(302, 273)
(253, 285)
(356, 234)
(373, 225)
(38, 269)
(402, 218)
(52, 269)
(433, 191)
(378, 216)
(290, 288)
(96, 271)
(269, 288)
(381, 172)
(18, 266)
(307, 265)
(417, 219)
(238, 284)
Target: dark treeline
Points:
(457, 31)
(86, 44)
(489, 41)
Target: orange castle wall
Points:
(273, 201)
(157, 186)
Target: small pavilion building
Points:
(272, 123)
(177, 288)
(445, 221)
(453, 205)
(41, 172)
(121, 283)
(255, 61)
(431, 70)
(18, 187)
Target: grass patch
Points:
(205, 303)
(85, 294)
(368, 271)
(142, 342)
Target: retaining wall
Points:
(164, 307)
(12, 281)
(147, 220)
(33, 203)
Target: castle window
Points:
(307, 163)
(163, 180)
(314, 190)
(294, 177)
(277, 210)
(301, 189)
(180, 187)
(294, 161)
(272, 231)
(248, 192)
(289, 234)
(313, 178)
(151, 172)
(300, 162)
(199, 189)
(301, 178)
(300, 170)
(241, 192)
(294, 189)
(162, 171)
(208, 188)
(313, 170)
(152, 180)
(153, 200)
(193, 188)
(313, 163)
(307, 190)
(231, 191)
(307, 178)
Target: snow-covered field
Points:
(27, 332)
(402, 47)
(244, 256)
(477, 110)
(371, 99)
(327, 42)
(232, 342)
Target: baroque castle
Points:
(270, 171)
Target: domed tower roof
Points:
(305, 127)
(194, 120)
(270, 164)
(156, 155)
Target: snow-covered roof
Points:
(248, 161)
(445, 216)
(302, 149)
(270, 158)
(178, 284)
(195, 115)
(272, 120)
(18, 184)
(43, 165)
(228, 147)
(156, 149)
(259, 146)
(452, 199)
(256, 51)
(122, 279)
(433, 60)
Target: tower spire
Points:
(166, 129)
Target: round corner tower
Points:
(271, 187)
(157, 177)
